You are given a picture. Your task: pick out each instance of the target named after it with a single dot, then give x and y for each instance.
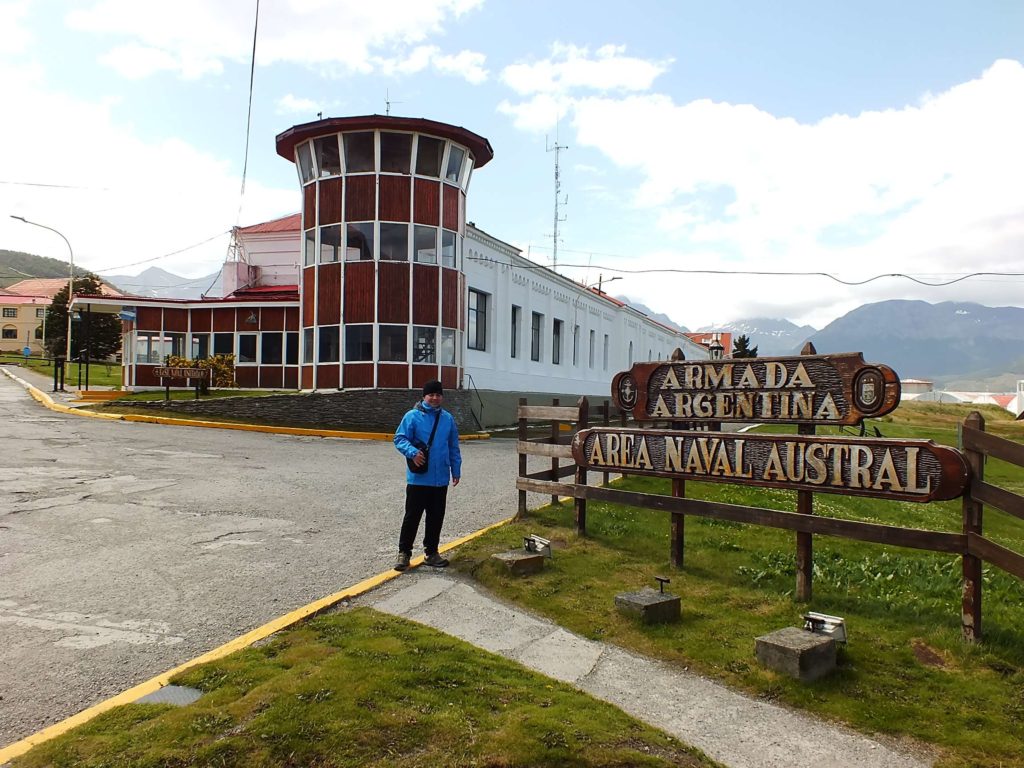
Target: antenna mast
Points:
(557, 149)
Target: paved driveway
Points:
(126, 549)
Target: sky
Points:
(851, 139)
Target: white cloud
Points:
(466, 64)
(339, 35)
(929, 188)
(290, 104)
(137, 62)
(16, 39)
(122, 199)
(571, 68)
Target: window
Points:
(271, 349)
(309, 248)
(149, 349)
(359, 152)
(247, 348)
(556, 342)
(329, 350)
(307, 345)
(477, 320)
(292, 348)
(536, 321)
(516, 315)
(394, 242)
(360, 242)
(630, 364)
(9, 332)
(575, 345)
(592, 339)
(454, 169)
(424, 344)
(428, 156)
(40, 313)
(176, 344)
(10, 311)
(200, 346)
(223, 343)
(449, 244)
(328, 159)
(425, 244)
(358, 343)
(395, 152)
(330, 243)
(39, 332)
(447, 346)
(305, 163)
(606, 352)
(392, 344)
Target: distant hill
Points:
(941, 342)
(158, 283)
(17, 265)
(772, 336)
(660, 317)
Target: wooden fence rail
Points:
(970, 544)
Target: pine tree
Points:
(741, 347)
(104, 330)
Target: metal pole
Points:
(71, 276)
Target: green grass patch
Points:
(364, 689)
(101, 374)
(905, 671)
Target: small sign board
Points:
(182, 373)
(807, 389)
(907, 470)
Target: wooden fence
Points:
(970, 544)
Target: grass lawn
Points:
(101, 374)
(905, 671)
(364, 689)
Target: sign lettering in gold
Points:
(182, 373)
(911, 470)
(810, 389)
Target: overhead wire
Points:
(757, 273)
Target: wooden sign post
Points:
(167, 375)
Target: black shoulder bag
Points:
(425, 448)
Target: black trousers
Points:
(419, 499)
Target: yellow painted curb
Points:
(48, 401)
(19, 748)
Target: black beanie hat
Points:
(433, 387)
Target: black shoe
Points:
(435, 561)
(403, 562)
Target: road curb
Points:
(136, 692)
(49, 402)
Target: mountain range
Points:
(957, 345)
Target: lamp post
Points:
(71, 277)
(601, 281)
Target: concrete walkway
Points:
(735, 730)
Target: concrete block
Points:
(521, 562)
(797, 652)
(649, 605)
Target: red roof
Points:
(478, 145)
(1004, 400)
(265, 293)
(290, 223)
(51, 286)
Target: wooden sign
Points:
(810, 389)
(908, 470)
(182, 373)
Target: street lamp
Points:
(601, 281)
(71, 277)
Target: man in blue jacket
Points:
(427, 491)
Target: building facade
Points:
(22, 322)
(379, 282)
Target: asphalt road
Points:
(127, 549)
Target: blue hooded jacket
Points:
(445, 457)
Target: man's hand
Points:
(455, 481)
(419, 459)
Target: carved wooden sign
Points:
(810, 389)
(909, 470)
(182, 373)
